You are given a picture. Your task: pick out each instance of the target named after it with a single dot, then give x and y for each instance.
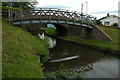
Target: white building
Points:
(110, 19)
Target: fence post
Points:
(21, 16)
(74, 19)
(31, 16)
(40, 15)
(50, 15)
(66, 16)
(81, 15)
(58, 15)
(9, 15)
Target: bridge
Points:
(51, 15)
(73, 19)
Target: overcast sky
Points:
(98, 8)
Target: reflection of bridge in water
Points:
(84, 68)
(72, 69)
(80, 69)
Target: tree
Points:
(21, 5)
(114, 24)
(98, 22)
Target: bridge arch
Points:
(61, 30)
(58, 16)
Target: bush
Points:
(115, 24)
(9, 8)
(99, 22)
(5, 10)
(44, 58)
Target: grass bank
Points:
(19, 49)
(48, 30)
(113, 33)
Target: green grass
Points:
(9, 8)
(56, 74)
(19, 49)
(113, 33)
(49, 30)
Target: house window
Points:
(107, 23)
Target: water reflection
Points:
(85, 62)
(51, 42)
(80, 69)
(76, 70)
(65, 59)
(84, 68)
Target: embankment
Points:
(19, 49)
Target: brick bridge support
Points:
(87, 33)
(65, 29)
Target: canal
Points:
(74, 59)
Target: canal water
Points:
(75, 59)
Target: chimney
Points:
(108, 14)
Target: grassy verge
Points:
(51, 31)
(19, 49)
(113, 33)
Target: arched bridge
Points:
(67, 18)
(52, 15)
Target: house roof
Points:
(109, 16)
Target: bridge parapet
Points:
(61, 16)
(51, 14)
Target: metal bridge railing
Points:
(51, 14)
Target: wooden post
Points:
(87, 18)
(21, 17)
(50, 15)
(66, 17)
(81, 15)
(74, 17)
(31, 18)
(9, 15)
(40, 15)
(58, 16)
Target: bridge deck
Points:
(49, 15)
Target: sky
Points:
(97, 8)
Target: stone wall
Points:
(98, 34)
(95, 33)
(65, 29)
(72, 29)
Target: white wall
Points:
(111, 19)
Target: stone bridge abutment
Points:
(86, 33)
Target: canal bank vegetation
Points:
(20, 52)
(56, 74)
(113, 45)
(62, 75)
(48, 30)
